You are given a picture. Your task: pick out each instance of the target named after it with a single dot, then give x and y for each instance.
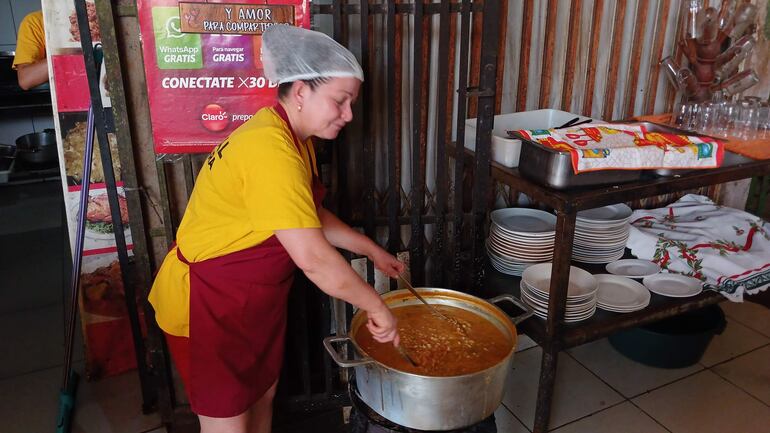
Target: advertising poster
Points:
(203, 66)
(102, 303)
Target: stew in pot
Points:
(437, 345)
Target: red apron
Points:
(237, 322)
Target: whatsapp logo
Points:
(173, 28)
(174, 49)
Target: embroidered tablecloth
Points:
(728, 249)
(614, 146)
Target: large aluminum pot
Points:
(427, 402)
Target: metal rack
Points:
(553, 335)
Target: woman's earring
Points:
(299, 108)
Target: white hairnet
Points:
(292, 53)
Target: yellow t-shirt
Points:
(253, 183)
(30, 44)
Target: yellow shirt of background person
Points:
(260, 184)
(30, 44)
(30, 59)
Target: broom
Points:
(70, 379)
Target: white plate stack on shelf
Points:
(520, 237)
(620, 294)
(601, 234)
(581, 292)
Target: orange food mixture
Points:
(437, 345)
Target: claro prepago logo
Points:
(214, 118)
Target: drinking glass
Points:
(671, 69)
(707, 117)
(726, 119)
(763, 121)
(690, 9)
(739, 82)
(709, 25)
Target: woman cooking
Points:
(255, 213)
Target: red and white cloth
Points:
(615, 146)
(728, 249)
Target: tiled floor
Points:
(34, 264)
(597, 389)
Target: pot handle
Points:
(515, 301)
(328, 344)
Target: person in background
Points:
(254, 216)
(30, 61)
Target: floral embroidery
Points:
(723, 247)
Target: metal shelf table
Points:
(553, 335)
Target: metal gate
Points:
(392, 172)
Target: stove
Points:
(20, 173)
(14, 100)
(364, 419)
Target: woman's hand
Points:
(382, 325)
(386, 263)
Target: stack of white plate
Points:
(520, 237)
(620, 294)
(581, 292)
(601, 234)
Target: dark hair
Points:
(283, 88)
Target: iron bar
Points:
(394, 190)
(398, 110)
(457, 220)
(442, 181)
(545, 389)
(369, 203)
(342, 201)
(417, 193)
(557, 303)
(189, 177)
(155, 343)
(326, 320)
(475, 61)
(484, 125)
(149, 397)
(169, 230)
(301, 337)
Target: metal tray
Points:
(553, 169)
(729, 159)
